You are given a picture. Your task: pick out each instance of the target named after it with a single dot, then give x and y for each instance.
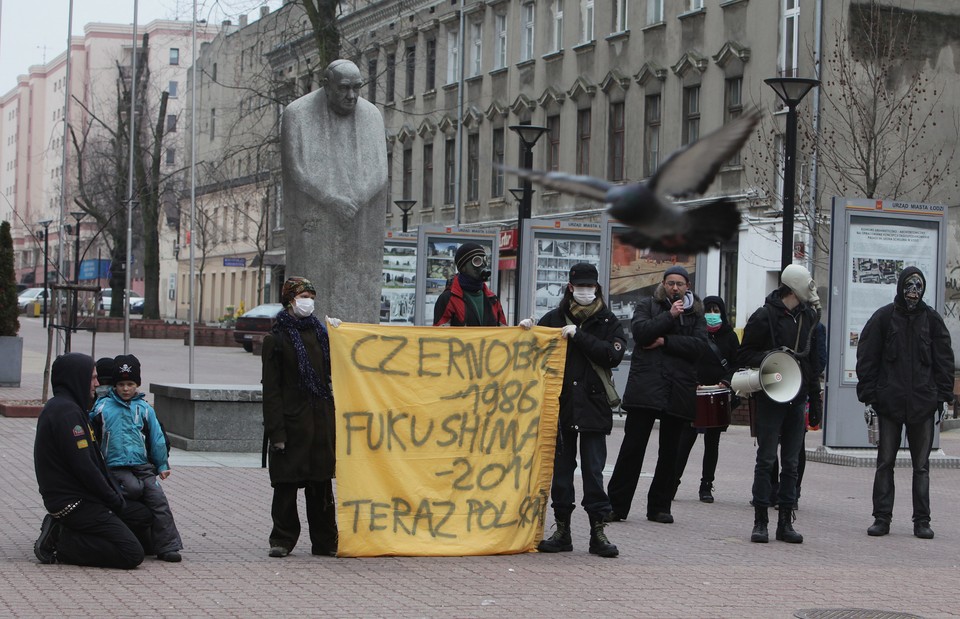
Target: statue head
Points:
(343, 83)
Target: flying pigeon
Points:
(655, 221)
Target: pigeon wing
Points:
(579, 185)
(689, 171)
(706, 226)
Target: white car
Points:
(29, 296)
(106, 301)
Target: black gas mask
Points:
(478, 268)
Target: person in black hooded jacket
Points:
(905, 372)
(715, 365)
(88, 521)
(595, 340)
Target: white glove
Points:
(568, 332)
(526, 323)
(333, 322)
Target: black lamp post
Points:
(46, 265)
(405, 206)
(791, 91)
(529, 134)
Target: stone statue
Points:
(333, 156)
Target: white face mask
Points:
(584, 295)
(303, 307)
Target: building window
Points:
(174, 55)
(172, 89)
(696, 5)
(789, 37)
(171, 123)
(411, 59)
(431, 72)
(553, 145)
(620, 15)
(615, 144)
(391, 76)
(556, 39)
(586, 21)
(733, 96)
(583, 141)
(449, 171)
(500, 41)
(372, 80)
(407, 187)
(691, 114)
(473, 167)
(213, 123)
(654, 11)
(527, 23)
(171, 157)
(778, 148)
(651, 138)
(476, 48)
(496, 178)
(453, 57)
(426, 199)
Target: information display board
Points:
(398, 295)
(436, 248)
(550, 248)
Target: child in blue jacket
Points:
(135, 451)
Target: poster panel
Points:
(554, 252)
(398, 294)
(437, 248)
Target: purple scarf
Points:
(309, 379)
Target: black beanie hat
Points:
(105, 369)
(466, 253)
(126, 367)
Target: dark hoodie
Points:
(67, 459)
(905, 359)
(709, 369)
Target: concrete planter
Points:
(11, 360)
(21, 409)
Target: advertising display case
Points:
(436, 248)
(398, 296)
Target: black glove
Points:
(815, 415)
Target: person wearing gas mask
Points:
(905, 373)
(468, 302)
(787, 320)
(298, 420)
(670, 336)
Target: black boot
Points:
(760, 521)
(706, 492)
(599, 544)
(921, 528)
(879, 528)
(560, 541)
(785, 532)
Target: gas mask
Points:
(798, 279)
(478, 268)
(912, 291)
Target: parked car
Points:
(106, 301)
(256, 321)
(26, 298)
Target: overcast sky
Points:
(35, 31)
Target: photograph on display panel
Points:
(441, 268)
(555, 254)
(399, 283)
(635, 274)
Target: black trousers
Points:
(593, 456)
(920, 441)
(711, 451)
(626, 472)
(95, 536)
(784, 426)
(321, 516)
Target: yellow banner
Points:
(445, 437)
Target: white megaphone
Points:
(778, 376)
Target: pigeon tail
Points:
(710, 225)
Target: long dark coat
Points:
(294, 416)
(665, 378)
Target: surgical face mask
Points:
(303, 307)
(913, 290)
(713, 320)
(584, 295)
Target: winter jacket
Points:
(583, 400)
(453, 309)
(131, 433)
(665, 378)
(292, 415)
(709, 370)
(759, 339)
(68, 464)
(905, 360)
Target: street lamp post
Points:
(529, 134)
(791, 91)
(46, 265)
(405, 206)
(78, 215)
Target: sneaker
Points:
(706, 492)
(46, 545)
(278, 552)
(170, 557)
